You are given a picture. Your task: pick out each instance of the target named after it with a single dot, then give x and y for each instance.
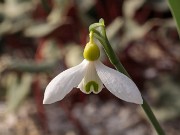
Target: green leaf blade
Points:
(175, 10)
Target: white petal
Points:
(118, 84)
(63, 83)
(89, 79)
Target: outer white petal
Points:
(118, 84)
(63, 83)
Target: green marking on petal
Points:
(91, 84)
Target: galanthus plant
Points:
(89, 76)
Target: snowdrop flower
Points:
(89, 76)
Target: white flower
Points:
(89, 76)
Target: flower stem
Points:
(91, 40)
(101, 36)
(46, 6)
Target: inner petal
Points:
(91, 81)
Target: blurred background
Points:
(41, 38)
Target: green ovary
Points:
(91, 51)
(91, 84)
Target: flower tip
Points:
(47, 100)
(139, 101)
(44, 102)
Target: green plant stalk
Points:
(46, 6)
(117, 64)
